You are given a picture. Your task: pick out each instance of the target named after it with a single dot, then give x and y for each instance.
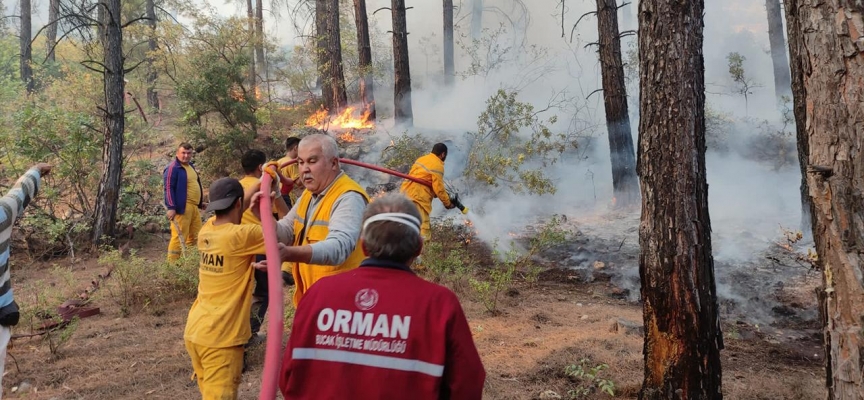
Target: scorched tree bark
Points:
(798, 109)
(682, 326)
(402, 85)
(364, 51)
(112, 155)
(624, 181)
(330, 55)
(782, 81)
(828, 36)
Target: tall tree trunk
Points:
(330, 56)
(152, 96)
(364, 51)
(800, 112)
(827, 36)
(682, 324)
(250, 17)
(112, 155)
(26, 49)
(782, 82)
(476, 19)
(260, 61)
(51, 40)
(402, 85)
(624, 181)
(449, 68)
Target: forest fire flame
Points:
(348, 137)
(348, 119)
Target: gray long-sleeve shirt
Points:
(346, 219)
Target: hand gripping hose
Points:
(272, 357)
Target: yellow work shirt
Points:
(292, 172)
(193, 188)
(220, 315)
(429, 168)
(248, 217)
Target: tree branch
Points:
(103, 71)
(589, 94)
(382, 8)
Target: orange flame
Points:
(346, 120)
(348, 137)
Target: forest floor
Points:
(568, 314)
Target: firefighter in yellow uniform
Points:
(430, 168)
(324, 226)
(218, 322)
(253, 167)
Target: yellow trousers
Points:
(218, 370)
(425, 226)
(189, 224)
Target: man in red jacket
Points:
(379, 331)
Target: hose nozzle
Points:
(455, 200)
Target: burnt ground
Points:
(570, 313)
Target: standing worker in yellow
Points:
(183, 198)
(430, 168)
(324, 226)
(218, 323)
(292, 172)
(253, 167)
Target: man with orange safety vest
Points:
(430, 168)
(324, 224)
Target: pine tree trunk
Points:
(250, 18)
(403, 111)
(364, 52)
(800, 112)
(26, 49)
(624, 181)
(828, 36)
(682, 324)
(782, 82)
(51, 39)
(476, 19)
(112, 155)
(449, 68)
(330, 56)
(152, 95)
(260, 60)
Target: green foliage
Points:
(743, 84)
(217, 102)
(38, 301)
(513, 144)
(181, 277)
(449, 267)
(404, 150)
(587, 379)
(139, 284)
(132, 284)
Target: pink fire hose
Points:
(275, 327)
(272, 357)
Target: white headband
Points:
(402, 218)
